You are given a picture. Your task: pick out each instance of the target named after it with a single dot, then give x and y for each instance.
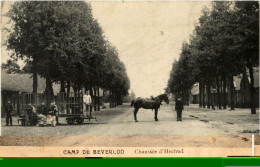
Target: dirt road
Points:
(116, 127)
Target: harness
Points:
(155, 98)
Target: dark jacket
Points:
(42, 110)
(8, 109)
(179, 105)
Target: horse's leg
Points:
(155, 114)
(135, 114)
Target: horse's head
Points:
(164, 97)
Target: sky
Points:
(148, 37)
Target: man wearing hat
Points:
(9, 113)
(179, 108)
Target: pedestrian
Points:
(9, 113)
(29, 114)
(179, 108)
(54, 113)
(88, 103)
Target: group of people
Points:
(43, 115)
(47, 115)
(40, 117)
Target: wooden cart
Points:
(71, 106)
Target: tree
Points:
(247, 43)
(11, 66)
(62, 42)
(224, 43)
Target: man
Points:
(88, 103)
(179, 108)
(30, 110)
(9, 113)
(42, 109)
(54, 113)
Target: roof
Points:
(23, 82)
(237, 79)
(195, 89)
(256, 77)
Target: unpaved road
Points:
(116, 127)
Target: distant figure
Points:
(179, 108)
(54, 112)
(29, 113)
(9, 113)
(88, 102)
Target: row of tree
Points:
(62, 42)
(225, 43)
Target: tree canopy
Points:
(224, 43)
(62, 42)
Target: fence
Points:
(20, 101)
(70, 103)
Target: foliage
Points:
(62, 42)
(224, 43)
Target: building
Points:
(13, 85)
(242, 89)
(241, 92)
(194, 99)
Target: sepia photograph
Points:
(129, 78)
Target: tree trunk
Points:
(188, 97)
(203, 96)
(62, 85)
(114, 99)
(110, 101)
(218, 94)
(212, 101)
(48, 87)
(35, 82)
(200, 94)
(224, 93)
(176, 96)
(95, 97)
(68, 94)
(252, 90)
(209, 95)
(183, 96)
(232, 103)
(68, 86)
(35, 79)
(91, 93)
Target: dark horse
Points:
(153, 103)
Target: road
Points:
(117, 126)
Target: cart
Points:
(71, 107)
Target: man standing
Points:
(88, 103)
(9, 113)
(54, 113)
(179, 108)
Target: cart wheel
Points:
(71, 121)
(80, 121)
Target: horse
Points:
(153, 103)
